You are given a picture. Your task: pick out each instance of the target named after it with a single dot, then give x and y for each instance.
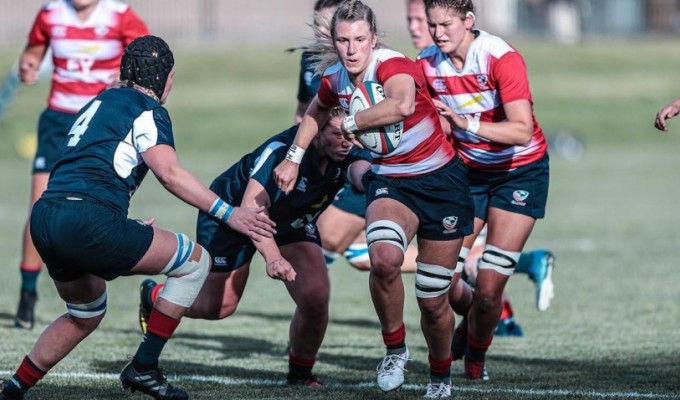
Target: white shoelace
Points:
(438, 390)
(390, 362)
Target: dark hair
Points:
(147, 62)
(460, 6)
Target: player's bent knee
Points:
(499, 260)
(432, 280)
(88, 316)
(186, 272)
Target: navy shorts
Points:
(53, 127)
(230, 250)
(441, 200)
(350, 200)
(79, 237)
(523, 190)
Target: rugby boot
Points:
(438, 390)
(476, 371)
(10, 391)
(151, 382)
(296, 380)
(391, 371)
(25, 316)
(145, 304)
(541, 274)
(507, 327)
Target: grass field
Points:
(613, 330)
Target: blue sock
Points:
(524, 263)
(29, 280)
(148, 352)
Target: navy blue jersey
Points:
(313, 191)
(101, 158)
(309, 82)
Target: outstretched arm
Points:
(277, 267)
(669, 111)
(286, 172)
(162, 160)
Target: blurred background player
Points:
(87, 38)
(81, 228)
(537, 264)
(294, 254)
(404, 189)
(482, 92)
(342, 225)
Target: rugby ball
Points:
(382, 140)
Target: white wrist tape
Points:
(295, 154)
(473, 125)
(221, 210)
(349, 124)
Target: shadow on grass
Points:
(364, 323)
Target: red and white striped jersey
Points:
(424, 146)
(86, 54)
(494, 74)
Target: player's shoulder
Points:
(334, 69)
(493, 45)
(384, 54)
(429, 52)
(53, 5)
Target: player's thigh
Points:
(443, 253)
(311, 282)
(225, 287)
(339, 228)
(163, 247)
(508, 230)
(83, 290)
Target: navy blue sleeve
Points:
(308, 82)
(263, 171)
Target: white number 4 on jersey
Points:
(82, 123)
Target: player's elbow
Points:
(169, 176)
(406, 108)
(525, 135)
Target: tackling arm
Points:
(162, 160)
(277, 267)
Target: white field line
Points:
(221, 380)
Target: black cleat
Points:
(151, 382)
(7, 393)
(308, 381)
(25, 316)
(145, 304)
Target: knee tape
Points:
(186, 275)
(501, 261)
(90, 310)
(432, 280)
(460, 265)
(330, 256)
(388, 232)
(356, 253)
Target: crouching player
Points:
(81, 229)
(294, 255)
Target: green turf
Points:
(612, 332)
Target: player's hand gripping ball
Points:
(381, 140)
